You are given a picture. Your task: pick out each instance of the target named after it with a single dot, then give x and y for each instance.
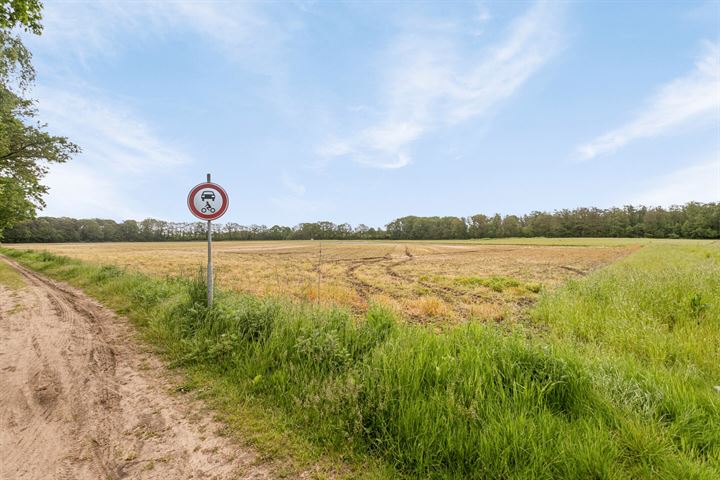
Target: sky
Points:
(363, 112)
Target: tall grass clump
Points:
(651, 324)
(581, 401)
(660, 307)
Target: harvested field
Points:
(422, 280)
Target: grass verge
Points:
(393, 400)
(9, 277)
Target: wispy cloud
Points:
(109, 133)
(698, 183)
(432, 81)
(693, 97)
(83, 192)
(481, 18)
(87, 30)
(119, 150)
(292, 185)
(119, 146)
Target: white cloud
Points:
(119, 150)
(483, 16)
(695, 96)
(228, 23)
(387, 163)
(292, 185)
(80, 191)
(88, 29)
(110, 134)
(432, 81)
(119, 146)
(698, 183)
(83, 30)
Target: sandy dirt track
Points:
(80, 400)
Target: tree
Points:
(15, 207)
(511, 226)
(15, 67)
(25, 13)
(495, 226)
(26, 148)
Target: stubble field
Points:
(424, 281)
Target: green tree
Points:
(21, 13)
(15, 207)
(511, 226)
(15, 66)
(476, 225)
(26, 149)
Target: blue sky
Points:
(367, 111)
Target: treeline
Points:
(692, 220)
(52, 229)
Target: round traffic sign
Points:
(208, 201)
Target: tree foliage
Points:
(26, 148)
(16, 70)
(14, 205)
(15, 60)
(693, 220)
(21, 13)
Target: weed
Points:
(497, 284)
(106, 272)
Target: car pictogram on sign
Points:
(208, 201)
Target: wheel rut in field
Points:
(448, 293)
(80, 400)
(363, 288)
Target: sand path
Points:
(81, 399)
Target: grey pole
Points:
(210, 265)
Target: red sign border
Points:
(211, 216)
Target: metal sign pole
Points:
(208, 201)
(210, 265)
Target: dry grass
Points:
(423, 280)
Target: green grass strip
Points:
(9, 277)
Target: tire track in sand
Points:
(79, 400)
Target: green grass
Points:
(616, 384)
(659, 307)
(9, 277)
(497, 284)
(574, 242)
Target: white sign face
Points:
(208, 201)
